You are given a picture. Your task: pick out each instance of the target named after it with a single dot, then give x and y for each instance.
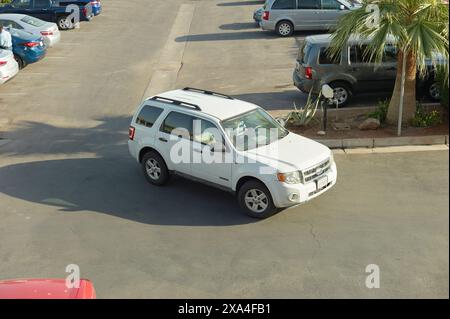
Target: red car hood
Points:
(45, 289)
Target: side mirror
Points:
(327, 91)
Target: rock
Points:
(369, 124)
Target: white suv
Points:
(231, 144)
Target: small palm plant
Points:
(302, 116)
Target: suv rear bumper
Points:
(286, 195)
(267, 25)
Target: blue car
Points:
(96, 5)
(27, 48)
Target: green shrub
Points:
(424, 119)
(442, 80)
(381, 111)
(5, 1)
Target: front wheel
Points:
(284, 29)
(434, 91)
(255, 199)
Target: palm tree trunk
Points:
(409, 101)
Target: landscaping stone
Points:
(369, 124)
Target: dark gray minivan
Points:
(352, 73)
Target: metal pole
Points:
(402, 93)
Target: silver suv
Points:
(286, 16)
(353, 73)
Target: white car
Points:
(47, 30)
(231, 144)
(8, 66)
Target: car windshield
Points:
(33, 21)
(253, 129)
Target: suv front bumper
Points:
(286, 195)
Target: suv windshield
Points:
(253, 129)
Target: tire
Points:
(284, 28)
(342, 91)
(20, 61)
(263, 208)
(64, 23)
(154, 168)
(433, 91)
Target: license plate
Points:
(322, 182)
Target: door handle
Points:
(162, 139)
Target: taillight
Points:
(308, 72)
(31, 44)
(265, 15)
(2, 63)
(46, 33)
(84, 10)
(131, 131)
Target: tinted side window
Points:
(324, 57)
(41, 4)
(309, 4)
(178, 124)
(331, 5)
(148, 115)
(206, 133)
(283, 4)
(21, 4)
(357, 54)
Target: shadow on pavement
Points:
(248, 35)
(239, 26)
(109, 182)
(241, 3)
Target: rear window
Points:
(324, 57)
(33, 21)
(283, 4)
(303, 53)
(148, 115)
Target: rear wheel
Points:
(284, 28)
(64, 23)
(255, 199)
(19, 61)
(154, 168)
(342, 93)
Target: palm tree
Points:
(419, 29)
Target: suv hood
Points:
(291, 153)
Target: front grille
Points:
(315, 171)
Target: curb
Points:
(350, 143)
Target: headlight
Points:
(289, 178)
(331, 158)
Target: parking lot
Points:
(71, 194)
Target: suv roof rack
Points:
(176, 102)
(208, 93)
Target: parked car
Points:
(48, 30)
(353, 72)
(48, 10)
(265, 171)
(8, 66)
(286, 16)
(27, 48)
(45, 289)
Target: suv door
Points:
(331, 11)
(210, 154)
(371, 76)
(307, 15)
(282, 9)
(174, 140)
(42, 10)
